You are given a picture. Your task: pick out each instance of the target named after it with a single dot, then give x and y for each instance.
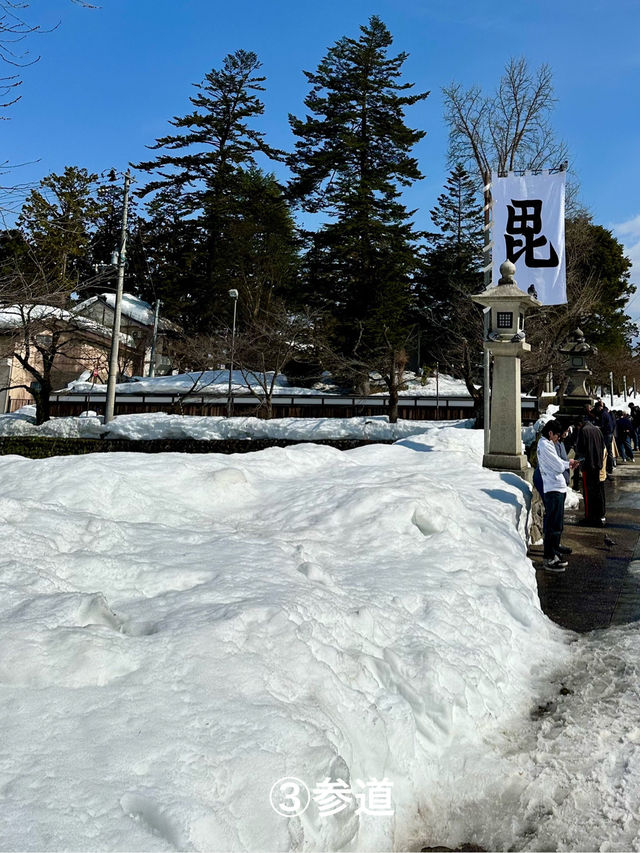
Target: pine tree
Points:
(174, 253)
(449, 321)
(594, 255)
(458, 213)
(352, 158)
(56, 219)
(204, 164)
(105, 240)
(265, 263)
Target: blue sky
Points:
(109, 79)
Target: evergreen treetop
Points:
(56, 219)
(352, 158)
(217, 138)
(458, 212)
(353, 150)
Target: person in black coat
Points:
(607, 423)
(590, 450)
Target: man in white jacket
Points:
(552, 469)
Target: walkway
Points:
(601, 586)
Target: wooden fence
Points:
(284, 406)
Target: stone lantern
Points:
(577, 396)
(506, 341)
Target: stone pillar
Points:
(505, 443)
(506, 341)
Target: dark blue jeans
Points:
(554, 516)
(625, 448)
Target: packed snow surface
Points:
(156, 425)
(178, 633)
(568, 778)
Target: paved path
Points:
(601, 586)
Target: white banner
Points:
(528, 229)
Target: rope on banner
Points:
(521, 172)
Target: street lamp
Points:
(234, 295)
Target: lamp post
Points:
(234, 295)
(117, 309)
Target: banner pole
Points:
(488, 261)
(488, 243)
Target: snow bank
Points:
(155, 425)
(178, 633)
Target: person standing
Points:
(607, 423)
(624, 434)
(552, 468)
(590, 450)
(634, 414)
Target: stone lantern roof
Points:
(507, 304)
(578, 346)
(507, 288)
(576, 395)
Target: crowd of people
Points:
(597, 441)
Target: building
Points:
(75, 343)
(137, 323)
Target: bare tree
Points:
(384, 364)
(267, 343)
(508, 130)
(264, 344)
(14, 29)
(198, 357)
(41, 332)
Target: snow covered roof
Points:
(12, 317)
(132, 307)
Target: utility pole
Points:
(487, 271)
(152, 362)
(117, 311)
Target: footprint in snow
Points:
(143, 809)
(316, 573)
